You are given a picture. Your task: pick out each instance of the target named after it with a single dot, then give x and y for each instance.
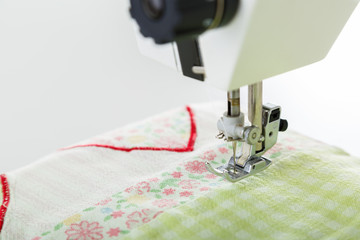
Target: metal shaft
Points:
(234, 103)
(255, 107)
(234, 111)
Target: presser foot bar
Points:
(234, 172)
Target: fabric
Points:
(133, 184)
(291, 200)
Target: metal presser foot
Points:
(256, 138)
(244, 165)
(233, 172)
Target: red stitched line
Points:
(6, 199)
(191, 143)
(188, 148)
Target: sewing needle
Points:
(234, 154)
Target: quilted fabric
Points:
(119, 186)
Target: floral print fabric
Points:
(85, 230)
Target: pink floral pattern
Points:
(154, 179)
(162, 203)
(204, 189)
(210, 155)
(138, 217)
(177, 174)
(168, 191)
(139, 188)
(189, 184)
(210, 176)
(113, 232)
(103, 202)
(85, 231)
(196, 167)
(223, 150)
(117, 214)
(186, 194)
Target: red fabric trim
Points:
(188, 148)
(6, 199)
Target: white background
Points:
(70, 69)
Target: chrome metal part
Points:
(271, 124)
(233, 172)
(247, 151)
(256, 138)
(255, 107)
(235, 112)
(252, 135)
(234, 103)
(234, 143)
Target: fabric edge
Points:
(4, 185)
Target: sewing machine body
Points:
(264, 38)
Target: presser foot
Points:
(234, 172)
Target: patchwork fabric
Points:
(189, 194)
(109, 189)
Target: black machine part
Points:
(174, 20)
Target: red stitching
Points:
(188, 148)
(6, 199)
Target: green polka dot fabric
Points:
(312, 194)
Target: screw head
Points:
(252, 135)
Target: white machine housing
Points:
(266, 38)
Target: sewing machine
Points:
(230, 44)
